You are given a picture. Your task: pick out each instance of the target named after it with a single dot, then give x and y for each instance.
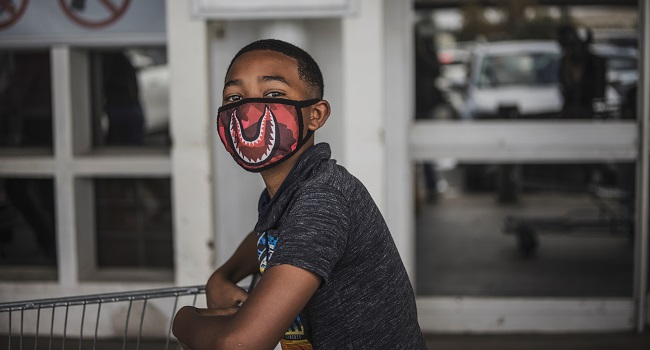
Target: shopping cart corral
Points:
(126, 320)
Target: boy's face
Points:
(269, 74)
(263, 73)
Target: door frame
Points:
(498, 141)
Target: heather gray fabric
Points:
(322, 219)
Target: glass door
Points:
(524, 153)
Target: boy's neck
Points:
(274, 177)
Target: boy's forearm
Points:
(195, 331)
(221, 288)
(213, 329)
(243, 262)
(258, 323)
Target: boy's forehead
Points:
(264, 60)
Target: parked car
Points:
(511, 79)
(520, 79)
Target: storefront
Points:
(153, 201)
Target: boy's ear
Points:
(318, 115)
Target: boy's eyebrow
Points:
(264, 78)
(231, 83)
(273, 78)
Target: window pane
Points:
(130, 97)
(133, 223)
(27, 222)
(25, 100)
(526, 230)
(525, 68)
(526, 62)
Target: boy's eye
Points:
(233, 98)
(274, 94)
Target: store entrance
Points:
(524, 195)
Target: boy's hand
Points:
(221, 293)
(229, 311)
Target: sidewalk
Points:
(597, 341)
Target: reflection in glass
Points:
(525, 61)
(519, 68)
(27, 224)
(526, 230)
(133, 223)
(131, 104)
(25, 99)
(583, 74)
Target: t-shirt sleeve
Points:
(315, 232)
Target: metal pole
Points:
(643, 163)
(103, 298)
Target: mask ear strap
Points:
(304, 140)
(303, 104)
(307, 103)
(301, 123)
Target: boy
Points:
(331, 275)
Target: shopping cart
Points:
(126, 320)
(614, 216)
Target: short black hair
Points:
(308, 70)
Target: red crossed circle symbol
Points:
(114, 10)
(10, 13)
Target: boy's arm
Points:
(221, 289)
(282, 292)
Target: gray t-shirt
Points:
(322, 219)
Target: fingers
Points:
(226, 295)
(240, 295)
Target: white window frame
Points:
(74, 165)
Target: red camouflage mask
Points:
(260, 133)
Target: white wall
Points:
(363, 112)
(398, 111)
(192, 178)
(325, 35)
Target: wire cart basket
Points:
(125, 320)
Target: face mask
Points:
(260, 133)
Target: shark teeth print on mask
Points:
(266, 136)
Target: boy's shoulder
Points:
(331, 175)
(332, 186)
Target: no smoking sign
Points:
(94, 13)
(11, 11)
